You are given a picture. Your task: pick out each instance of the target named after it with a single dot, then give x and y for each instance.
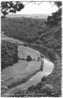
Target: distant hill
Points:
(28, 16)
(33, 31)
(22, 28)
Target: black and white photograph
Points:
(31, 42)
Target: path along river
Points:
(23, 69)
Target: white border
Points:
(62, 50)
(0, 50)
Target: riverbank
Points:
(33, 65)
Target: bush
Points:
(55, 18)
(8, 54)
(29, 58)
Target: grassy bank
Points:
(9, 54)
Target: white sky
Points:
(45, 8)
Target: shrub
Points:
(29, 58)
(8, 54)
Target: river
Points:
(23, 69)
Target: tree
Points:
(10, 6)
(58, 3)
(56, 16)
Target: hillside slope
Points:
(47, 40)
(33, 31)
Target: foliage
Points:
(29, 58)
(58, 3)
(56, 16)
(40, 34)
(21, 28)
(10, 6)
(53, 20)
(8, 54)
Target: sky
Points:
(32, 8)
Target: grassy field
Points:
(46, 39)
